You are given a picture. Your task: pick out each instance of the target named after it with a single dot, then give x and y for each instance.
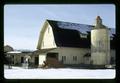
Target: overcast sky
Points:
(22, 23)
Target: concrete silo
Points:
(100, 44)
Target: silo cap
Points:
(98, 17)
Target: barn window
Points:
(83, 35)
(63, 58)
(74, 58)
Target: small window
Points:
(83, 35)
(63, 58)
(74, 58)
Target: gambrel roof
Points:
(67, 37)
(67, 34)
(82, 28)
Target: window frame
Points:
(74, 58)
(63, 58)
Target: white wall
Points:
(79, 52)
(42, 58)
(69, 53)
(48, 38)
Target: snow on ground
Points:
(60, 73)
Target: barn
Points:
(68, 43)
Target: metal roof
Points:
(67, 34)
(82, 28)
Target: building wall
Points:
(100, 46)
(48, 38)
(32, 59)
(63, 51)
(87, 60)
(72, 52)
(69, 53)
(42, 58)
(16, 58)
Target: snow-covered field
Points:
(61, 73)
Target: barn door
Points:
(52, 55)
(36, 60)
(22, 59)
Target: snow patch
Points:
(60, 73)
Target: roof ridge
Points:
(72, 22)
(68, 22)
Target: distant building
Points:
(70, 44)
(18, 58)
(8, 48)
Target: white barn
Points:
(68, 43)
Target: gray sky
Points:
(22, 23)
